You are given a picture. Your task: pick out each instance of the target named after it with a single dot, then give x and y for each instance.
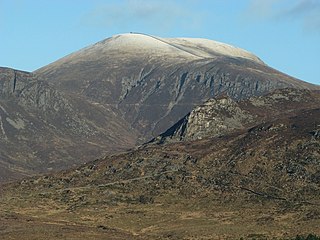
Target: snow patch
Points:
(210, 46)
(135, 44)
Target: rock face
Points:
(215, 117)
(44, 129)
(155, 81)
(219, 116)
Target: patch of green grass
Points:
(308, 237)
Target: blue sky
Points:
(283, 33)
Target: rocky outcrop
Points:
(215, 117)
(223, 115)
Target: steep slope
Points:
(260, 182)
(155, 81)
(222, 115)
(44, 129)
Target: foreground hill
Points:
(43, 129)
(256, 182)
(222, 115)
(155, 81)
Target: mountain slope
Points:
(155, 81)
(44, 129)
(258, 182)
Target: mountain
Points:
(43, 129)
(117, 94)
(260, 179)
(154, 81)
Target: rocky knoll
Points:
(156, 81)
(43, 129)
(222, 115)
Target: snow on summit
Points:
(192, 47)
(170, 48)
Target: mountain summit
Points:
(174, 48)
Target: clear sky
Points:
(283, 33)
